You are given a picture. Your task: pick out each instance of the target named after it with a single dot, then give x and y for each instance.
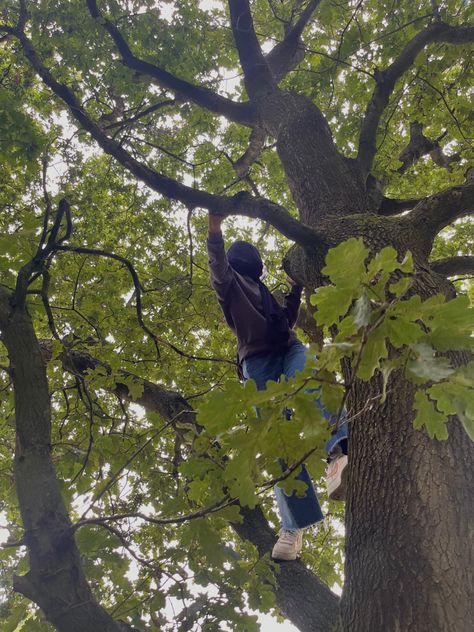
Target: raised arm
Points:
(222, 275)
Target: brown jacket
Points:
(241, 302)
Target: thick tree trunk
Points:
(408, 547)
(410, 498)
(321, 180)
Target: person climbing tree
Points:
(267, 348)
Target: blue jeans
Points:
(295, 512)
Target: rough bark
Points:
(321, 180)
(55, 580)
(410, 498)
(407, 521)
(452, 266)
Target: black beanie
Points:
(245, 259)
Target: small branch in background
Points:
(138, 300)
(420, 145)
(126, 122)
(453, 266)
(191, 251)
(256, 145)
(47, 201)
(82, 389)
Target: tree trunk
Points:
(321, 180)
(410, 498)
(409, 507)
(55, 580)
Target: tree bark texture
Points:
(410, 503)
(55, 580)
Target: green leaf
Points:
(427, 366)
(373, 352)
(345, 264)
(332, 303)
(428, 416)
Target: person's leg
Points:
(337, 445)
(305, 510)
(262, 368)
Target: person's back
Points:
(235, 279)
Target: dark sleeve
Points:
(222, 275)
(292, 304)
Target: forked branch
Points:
(288, 53)
(234, 111)
(386, 80)
(240, 204)
(257, 76)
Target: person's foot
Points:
(336, 475)
(288, 545)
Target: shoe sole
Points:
(284, 559)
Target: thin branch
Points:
(453, 266)
(82, 388)
(238, 112)
(194, 515)
(139, 115)
(443, 98)
(114, 477)
(386, 80)
(138, 299)
(47, 201)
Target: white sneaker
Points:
(336, 475)
(288, 545)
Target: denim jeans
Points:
(295, 512)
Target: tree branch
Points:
(286, 55)
(420, 145)
(253, 151)
(394, 206)
(386, 80)
(240, 204)
(238, 112)
(257, 76)
(453, 266)
(437, 211)
(55, 581)
(139, 115)
(301, 596)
